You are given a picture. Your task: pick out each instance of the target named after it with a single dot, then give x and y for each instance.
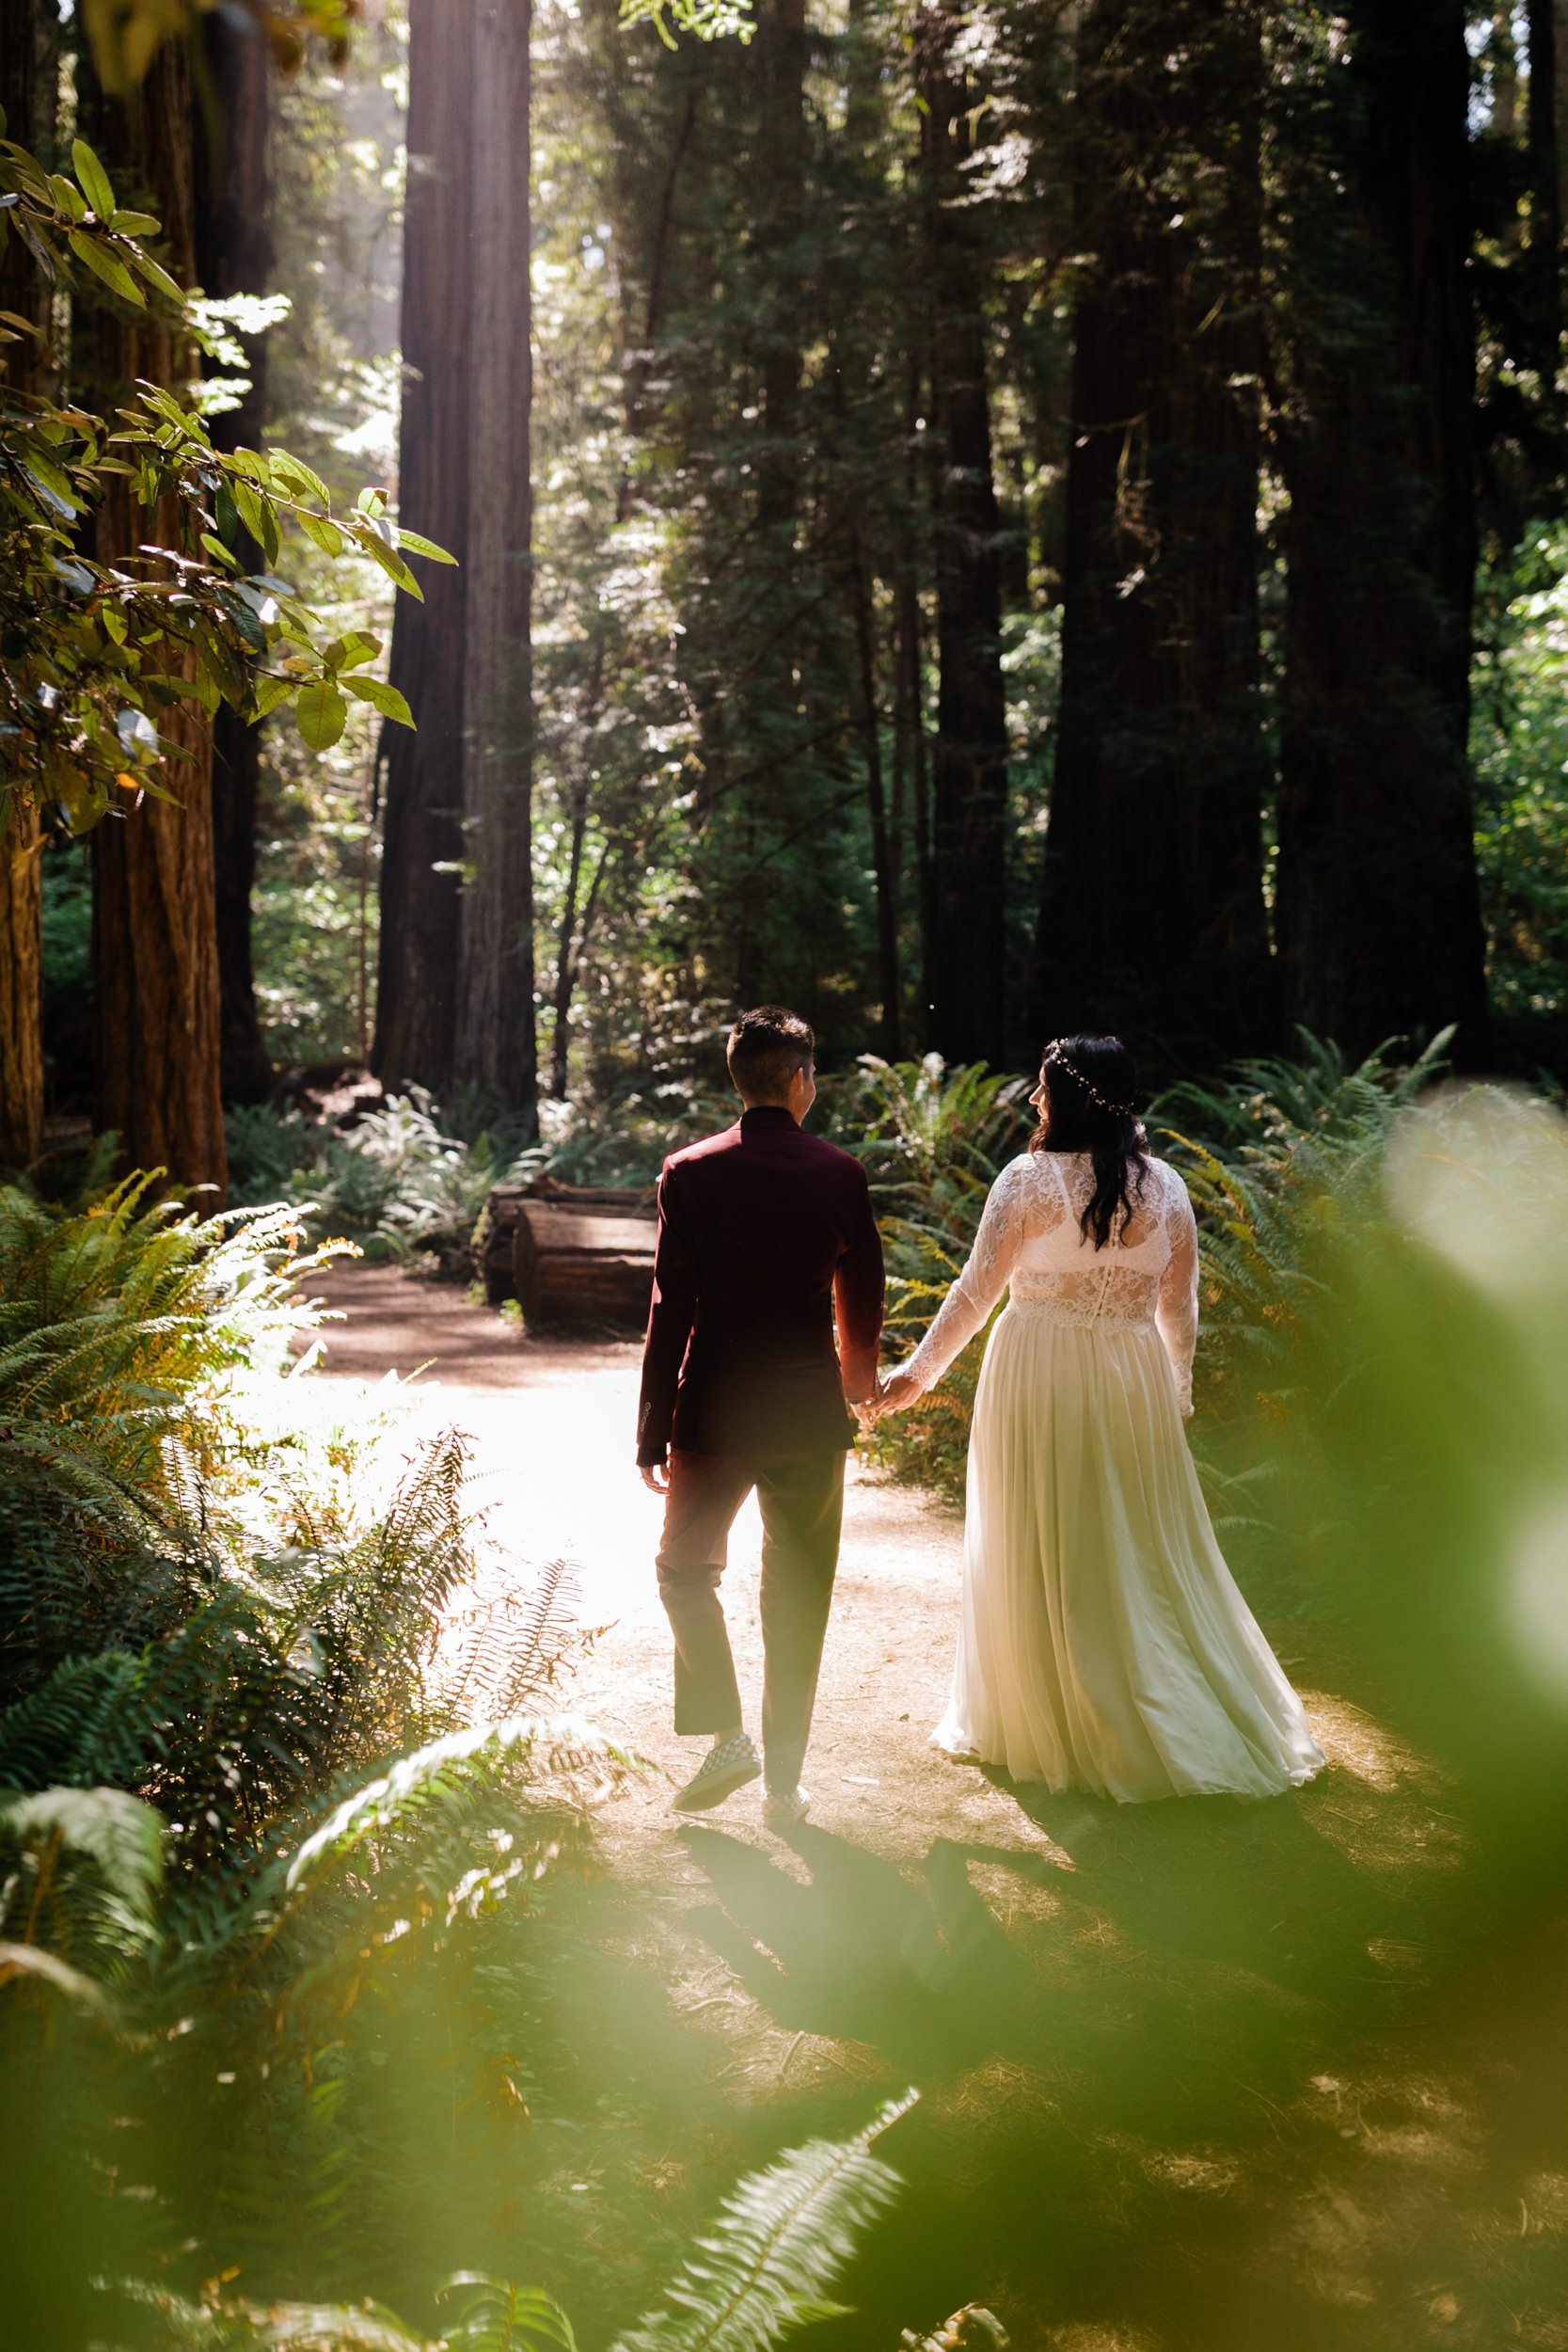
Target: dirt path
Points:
(1195, 2075)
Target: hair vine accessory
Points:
(1053, 1052)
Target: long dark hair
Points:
(1091, 1088)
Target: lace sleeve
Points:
(1175, 1310)
(964, 1310)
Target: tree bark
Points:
(154, 911)
(1377, 906)
(1151, 913)
(22, 290)
(234, 256)
(495, 1046)
(964, 980)
(423, 851)
(21, 990)
(884, 866)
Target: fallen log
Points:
(582, 1265)
(495, 1239)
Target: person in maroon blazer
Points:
(763, 1231)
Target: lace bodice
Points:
(1030, 1237)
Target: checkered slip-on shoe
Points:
(782, 1808)
(727, 1766)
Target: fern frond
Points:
(780, 2240)
(497, 2317)
(34, 1963)
(453, 1766)
(81, 1870)
(333, 2328)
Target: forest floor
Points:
(1194, 2077)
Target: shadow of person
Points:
(1249, 1885)
(921, 1969)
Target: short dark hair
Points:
(766, 1047)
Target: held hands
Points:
(892, 1396)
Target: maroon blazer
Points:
(759, 1229)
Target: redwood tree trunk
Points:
(154, 914)
(417, 996)
(495, 1045)
(21, 990)
(964, 978)
(1378, 914)
(1151, 914)
(235, 257)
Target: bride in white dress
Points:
(1103, 1643)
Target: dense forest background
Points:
(976, 521)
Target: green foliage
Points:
(1267, 1155)
(933, 1139)
(96, 655)
(782, 2239)
(1519, 749)
(400, 1180)
(706, 19)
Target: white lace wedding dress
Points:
(1103, 1643)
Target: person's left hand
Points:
(895, 1394)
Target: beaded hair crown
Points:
(1054, 1053)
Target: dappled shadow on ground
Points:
(1129, 2021)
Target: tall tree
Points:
(154, 912)
(1151, 912)
(22, 292)
(964, 978)
(233, 256)
(1377, 907)
(421, 859)
(495, 1045)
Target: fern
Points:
(512, 1646)
(446, 1771)
(780, 2240)
(497, 2317)
(82, 1870)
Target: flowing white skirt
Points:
(1104, 1644)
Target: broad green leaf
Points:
(219, 553)
(95, 181)
(247, 622)
(68, 196)
(389, 560)
(226, 514)
(347, 653)
(104, 264)
(417, 546)
(269, 692)
(381, 697)
(251, 508)
(52, 477)
(114, 621)
(322, 712)
(136, 224)
(292, 474)
(326, 535)
(156, 276)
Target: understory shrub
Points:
(404, 1181)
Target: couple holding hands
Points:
(1103, 1645)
